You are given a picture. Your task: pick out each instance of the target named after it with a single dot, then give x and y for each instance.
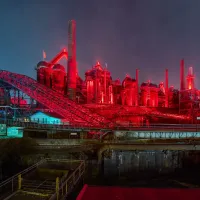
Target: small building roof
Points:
(50, 114)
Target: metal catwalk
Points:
(53, 100)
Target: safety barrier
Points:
(66, 184)
(13, 183)
(58, 189)
(82, 126)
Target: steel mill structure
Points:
(98, 100)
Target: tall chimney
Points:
(137, 87)
(190, 79)
(182, 75)
(166, 89)
(71, 66)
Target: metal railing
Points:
(82, 126)
(10, 185)
(67, 184)
(50, 188)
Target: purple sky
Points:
(126, 34)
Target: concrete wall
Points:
(61, 141)
(157, 134)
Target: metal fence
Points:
(58, 188)
(67, 184)
(80, 126)
(10, 185)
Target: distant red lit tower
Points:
(166, 89)
(182, 75)
(137, 87)
(190, 79)
(71, 68)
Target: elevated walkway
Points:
(82, 126)
(56, 102)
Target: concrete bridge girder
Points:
(136, 147)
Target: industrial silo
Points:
(58, 78)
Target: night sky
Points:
(126, 34)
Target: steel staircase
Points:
(54, 101)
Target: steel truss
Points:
(18, 95)
(10, 105)
(53, 100)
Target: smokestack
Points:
(190, 71)
(166, 89)
(182, 75)
(190, 79)
(137, 87)
(71, 66)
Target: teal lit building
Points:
(10, 132)
(15, 132)
(46, 118)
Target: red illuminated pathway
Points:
(117, 193)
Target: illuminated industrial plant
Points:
(129, 100)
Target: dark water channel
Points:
(147, 167)
(144, 169)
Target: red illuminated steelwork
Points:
(58, 57)
(45, 73)
(149, 94)
(129, 91)
(99, 88)
(58, 78)
(18, 101)
(137, 87)
(99, 85)
(166, 89)
(104, 96)
(190, 79)
(55, 101)
(182, 75)
(71, 69)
